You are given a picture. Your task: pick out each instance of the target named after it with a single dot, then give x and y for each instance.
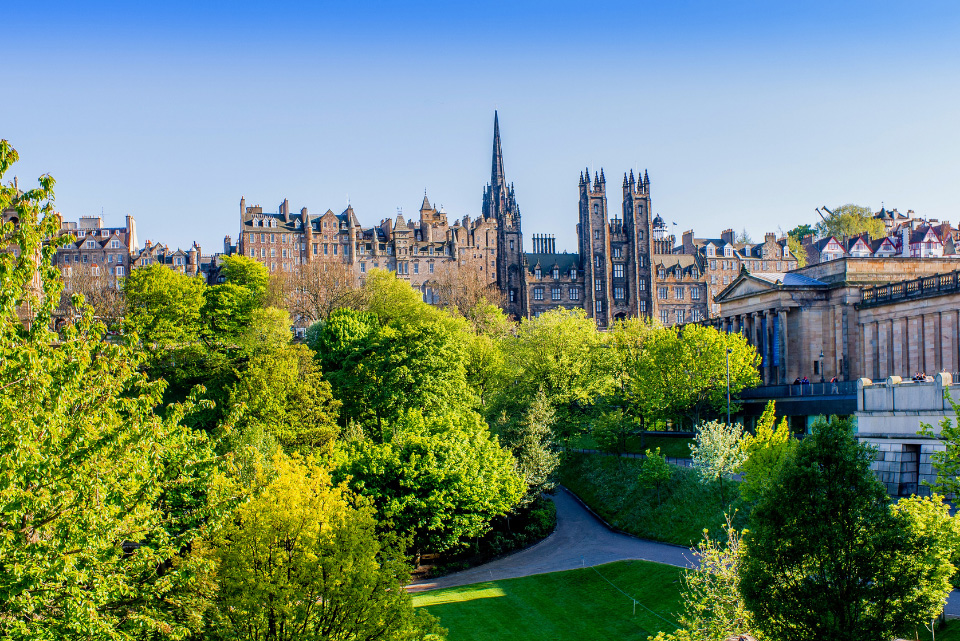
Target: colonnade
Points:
(766, 330)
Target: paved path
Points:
(580, 540)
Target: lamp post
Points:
(728, 385)
(822, 379)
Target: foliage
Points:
(556, 353)
(379, 371)
(612, 429)
(682, 371)
(313, 290)
(228, 310)
(530, 438)
(100, 498)
(946, 461)
(851, 220)
(654, 471)
(795, 245)
(801, 231)
(827, 557)
(765, 453)
(284, 395)
(743, 238)
(615, 493)
(242, 271)
(717, 451)
(575, 605)
(269, 329)
(439, 478)
(713, 607)
(164, 307)
(303, 561)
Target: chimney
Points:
(727, 236)
(769, 237)
(688, 241)
(905, 242)
(147, 244)
(226, 245)
(243, 205)
(285, 210)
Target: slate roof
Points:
(565, 262)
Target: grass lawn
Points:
(609, 486)
(675, 446)
(578, 605)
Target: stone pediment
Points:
(744, 285)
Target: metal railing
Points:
(840, 388)
(909, 289)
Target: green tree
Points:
(826, 557)
(654, 471)
(682, 371)
(611, 429)
(743, 238)
(303, 561)
(164, 308)
(285, 396)
(795, 245)
(946, 461)
(440, 479)
(558, 353)
(717, 452)
(242, 271)
(101, 497)
(380, 370)
(713, 604)
(765, 453)
(228, 310)
(530, 439)
(851, 220)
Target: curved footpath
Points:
(581, 540)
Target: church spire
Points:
(496, 174)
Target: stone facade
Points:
(813, 322)
(97, 248)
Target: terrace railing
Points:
(909, 289)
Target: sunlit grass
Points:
(579, 605)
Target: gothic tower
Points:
(594, 237)
(500, 204)
(638, 234)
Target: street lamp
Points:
(728, 385)
(822, 380)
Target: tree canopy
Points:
(847, 221)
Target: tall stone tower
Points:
(637, 237)
(500, 204)
(594, 237)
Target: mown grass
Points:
(577, 605)
(673, 446)
(608, 484)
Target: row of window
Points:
(92, 244)
(679, 293)
(680, 316)
(556, 293)
(86, 258)
(95, 270)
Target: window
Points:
(711, 252)
(574, 293)
(363, 268)
(640, 234)
(713, 264)
(115, 244)
(556, 273)
(697, 316)
(109, 258)
(779, 266)
(695, 293)
(416, 268)
(556, 293)
(619, 293)
(640, 261)
(642, 284)
(618, 270)
(728, 251)
(597, 261)
(596, 208)
(617, 252)
(537, 274)
(513, 295)
(334, 250)
(678, 293)
(664, 317)
(326, 249)
(598, 306)
(431, 268)
(598, 284)
(85, 258)
(538, 293)
(643, 307)
(91, 244)
(273, 253)
(596, 232)
(661, 274)
(662, 293)
(273, 238)
(511, 246)
(263, 238)
(119, 270)
(573, 274)
(283, 253)
(680, 316)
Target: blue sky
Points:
(745, 114)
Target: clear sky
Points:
(746, 115)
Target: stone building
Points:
(97, 249)
(190, 262)
(843, 318)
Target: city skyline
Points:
(744, 113)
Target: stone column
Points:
(736, 324)
(784, 347)
(769, 371)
